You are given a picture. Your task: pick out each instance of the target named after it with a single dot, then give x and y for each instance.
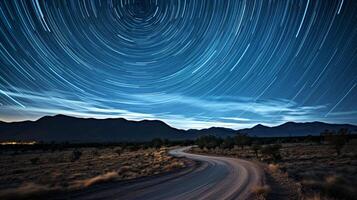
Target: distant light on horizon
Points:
(18, 143)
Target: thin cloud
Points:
(177, 110)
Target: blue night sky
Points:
(190, 63)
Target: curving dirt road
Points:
(214, 178)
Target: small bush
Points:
(95, 152)
(242, 140)
(157, 143)
(118, 151)
(209, 142)
(76, 155)
(256, 148)
(261, 192)
(272, 151)
(338, 140)
(273, 167)
(124, 169)
(228, 143)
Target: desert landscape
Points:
(310, 167)
(26, 172)
(306, 169)
(178, 99)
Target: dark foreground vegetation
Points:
(60, 146)
(43, 169)
(311, 167)
(318, 167)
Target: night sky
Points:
(190, 63)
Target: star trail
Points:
(190, 63)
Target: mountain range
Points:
(66, 128)
(296, 129)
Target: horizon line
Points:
(163, 120)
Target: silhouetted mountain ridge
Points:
(295, 129)
(67, 128)
(260, 126)
(73, 129)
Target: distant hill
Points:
(72, 129)
(66, 128)
(295, 129)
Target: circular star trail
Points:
(191, 63)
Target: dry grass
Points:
(261, 192)
(273, 168)
(37, 172)
(333, 186)
(316, 169)
(25, 191)
(98, 179)
(321, 172)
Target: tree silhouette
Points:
(228, 143)
(338, 140)
(208, 142)
(241, 140)
(256, 148)
(273, 151)
(157, 143)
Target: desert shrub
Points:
(174, 165)
(242, 140)
(312, 139)
(256, 148)
(156, 143)
(118, 151)
(261, 192)
(124, 169)
(95, 152)
(272, 151)
(338, 140)
(76, 155)
(209, 142)
(273, 168)
(166, 142)
(228, 143)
